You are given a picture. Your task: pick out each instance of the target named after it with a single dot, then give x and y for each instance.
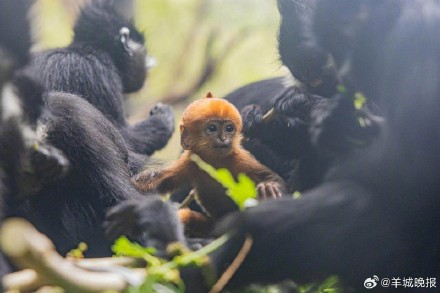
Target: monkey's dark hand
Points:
(48, 163)
(297, 104)
(283, 134)
(252, 116)
(164, 115)
(153, 133)
(269, 189)
(40, 166)
(149, 221)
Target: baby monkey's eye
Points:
(212, 128)
(230, 128)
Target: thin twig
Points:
(235, 265)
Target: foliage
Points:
(359, 100)
(163, 275)
(240, 191)
(330, 285)
(296, 194)
(124, 247)
(78, 252)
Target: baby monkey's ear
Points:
(184, 138)
(209, 95)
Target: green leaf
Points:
(359, 100)
(341, 89)
(243, 190)
(224, 176)
(163, 275)
(79, 251)
(239, 191)
(124, 247)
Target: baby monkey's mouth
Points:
(222, 146)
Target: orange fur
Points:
(185, 173)
(199, 111)
(195, 223)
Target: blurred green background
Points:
(198, 46)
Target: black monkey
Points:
(13, 51)
(107, 59)
(24, 166)
(149, 215)
(40, 136)
(72, 209)
(307, 131)
(306, 61)
(283, 142)
(15, 42)
(375, 213)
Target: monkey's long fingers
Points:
(261, 191)
(277, 192)
(270, 190)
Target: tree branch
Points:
(30, 249)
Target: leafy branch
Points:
(240, 191)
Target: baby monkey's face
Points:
(220, 134)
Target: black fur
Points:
(106, 59)
(263, 93)
(24, 168)
(283, 142)
(150, 221)
(309, 130)
(71, 209)
(307, 62)
(14, 45)
(63, 163)
(15, 38)
(286, 137)
(377, 213)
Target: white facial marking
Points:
(10, 103)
